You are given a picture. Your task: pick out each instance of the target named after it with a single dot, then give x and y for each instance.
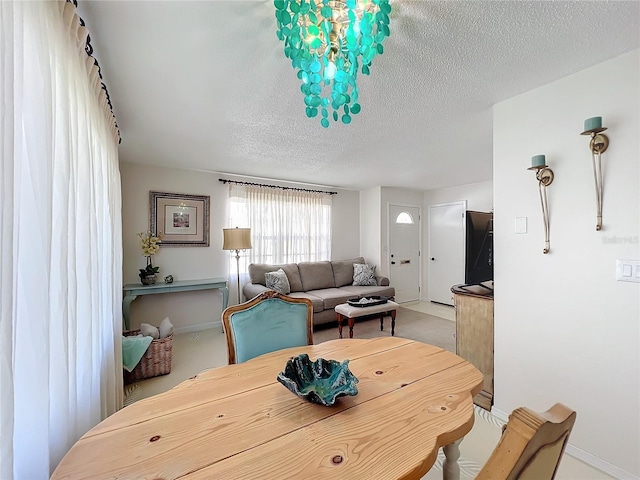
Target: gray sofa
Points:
(326, 284)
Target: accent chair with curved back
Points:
(531, 445)
(268, 322)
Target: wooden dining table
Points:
(238, 422)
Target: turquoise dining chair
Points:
(268, 322)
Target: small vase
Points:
(149, 279)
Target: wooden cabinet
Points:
(474, 338)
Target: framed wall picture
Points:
(182, 219)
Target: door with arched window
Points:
(404, 252)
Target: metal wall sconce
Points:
(598, 145)
(544, 175)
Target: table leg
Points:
(382, 321)
(450, 468)
(126, 309)
(352, 322)
(340, 317)
(393, 322)
(225, 297)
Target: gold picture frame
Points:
(182, 219)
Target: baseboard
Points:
(198, 328)
(500, 414)
(584, 457)
(598, 463)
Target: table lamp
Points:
(237, 239)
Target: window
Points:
(404, 217)
(287, 226)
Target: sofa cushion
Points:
(332, 296)
(358, 291)
(250, 290)
(277, 281)
(316, 275)
(318, 304)
(343, 271)
(257, 271)
(364, 274)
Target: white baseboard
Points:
(199, 327)
(599, 463)
(585, 457)
(500, 414)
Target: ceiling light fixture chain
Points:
(328, 41)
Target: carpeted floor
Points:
(194, 352)
(409, 324)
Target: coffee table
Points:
(344, 310)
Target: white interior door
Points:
(404, 252)
(445, 264)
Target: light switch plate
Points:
(628, 271)
(521, 224)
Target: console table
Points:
(474, 334)
(132, 290)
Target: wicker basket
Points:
(156, 360)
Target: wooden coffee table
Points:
(344, 310)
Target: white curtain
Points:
(287, 226)
(60, 240)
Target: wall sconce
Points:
(545, 177)
(598, 145)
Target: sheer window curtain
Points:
(287, 226)
(60, 240)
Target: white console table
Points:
(131, 291)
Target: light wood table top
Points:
(238, 422)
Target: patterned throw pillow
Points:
(364, 274)
(277, 281)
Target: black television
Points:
(478, 265)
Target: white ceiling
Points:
(205, 85)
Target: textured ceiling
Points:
(205, 85)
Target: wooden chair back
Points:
(531, 445)
(266, 323)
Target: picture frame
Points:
(182, 219)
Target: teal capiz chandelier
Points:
(328, 41)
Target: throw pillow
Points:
(277, 281)
(364, 274)
(149, 330)
(166, 328)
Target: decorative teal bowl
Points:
(321, 382)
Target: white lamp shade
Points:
(236, 238)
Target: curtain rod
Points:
(225, 181)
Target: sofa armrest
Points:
(382, 281)
(250, 290)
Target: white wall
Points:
(370, 237)
(479, 197)
(565, 330)
(196, 310)
(345, 225)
